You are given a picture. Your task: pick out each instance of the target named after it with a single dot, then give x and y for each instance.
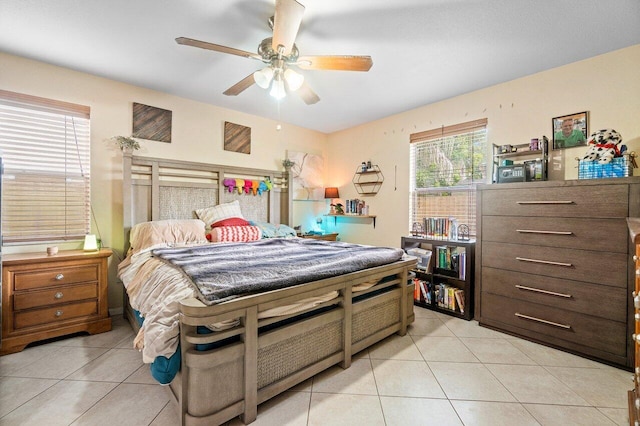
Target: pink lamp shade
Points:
(331, 192)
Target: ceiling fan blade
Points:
(339, 63)
(286, 23)
(308, 96)
(216, 47)
(240, 86)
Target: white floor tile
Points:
(396, 347)
(114, 366)
(477, 413)
(405, 378)
(447, 349)
(469, 381)
(357, 379)
(60, 404)
(60, 363)
(496, 351)
(15, 391)
(568, 415)
(340, 409)
(429, 327)
(534, 384)
(598, 387)
(418, 412)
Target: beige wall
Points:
(606, 86)
(197, 135)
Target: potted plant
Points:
(126, 143)
(288, 164)
(339, 208)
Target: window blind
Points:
(446, 164)
(45, 148)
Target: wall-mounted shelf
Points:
(357, 216)
(369, 181)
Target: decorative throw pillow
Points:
(235, 234)
(232, 221)
(212, 215)
(166, 233)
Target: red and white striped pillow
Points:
(237, 234)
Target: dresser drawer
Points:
(56, 296)
(579, 233)
(599, 267)
(54, 315)
(54, 277)
(591, 299)
(605, 201)
(604, 335)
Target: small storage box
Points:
(618, 167)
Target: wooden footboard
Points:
(260, 359)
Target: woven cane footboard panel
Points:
(215, 388)
(374, 319)
(283, 358)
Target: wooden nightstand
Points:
(50, 296)
(326, 237)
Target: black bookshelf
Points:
(450, 270)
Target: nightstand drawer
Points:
(604, 335)
(577, 296)
(587, 201)
(34, 299)
(577, 265)
(53, 315)
(577, 233)
(54, 277)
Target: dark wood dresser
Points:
(634, 394)
(553, 264)
(50, 296)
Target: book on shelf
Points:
(459, 295)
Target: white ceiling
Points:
(423, 50)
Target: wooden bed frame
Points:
(260, 358)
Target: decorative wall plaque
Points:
(237, 138)
(151, 123)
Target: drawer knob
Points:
(59, 277)
(636, 302)
(635, 258)
(58, 313)
(58, 295)
(637, 317)
(638, 272)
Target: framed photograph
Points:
(570, 130)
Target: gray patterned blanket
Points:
(225, 271)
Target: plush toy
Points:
(265, 185)
(603, 145)
(254, 186)
(230, 184)
(248, 183)
(240, 185)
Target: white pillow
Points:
(167, 233)
(211, 215)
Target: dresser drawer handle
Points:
(58, 295)
(545, 202)
(635, 258)
(546, 262)
(636, 302)
(59, 277)
(539, 290)
(532, 231)
(638, 271)
(555, 324)
(58, 313)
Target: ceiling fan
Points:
(280, 54)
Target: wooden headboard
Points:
(157, 189)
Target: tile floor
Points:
(446, 371)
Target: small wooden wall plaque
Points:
(151, 123)
(237, 138)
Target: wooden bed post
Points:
(250, 339)
(403, 302)
(347, 306)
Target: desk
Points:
(326, 237)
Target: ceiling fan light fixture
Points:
(263, 77)
(277, 89)
(294, 79)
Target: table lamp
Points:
(331, 193)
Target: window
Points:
(46, 182)
(446, 164)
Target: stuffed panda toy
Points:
(603, 146)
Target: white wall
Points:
(197, 135)
(607, 86)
